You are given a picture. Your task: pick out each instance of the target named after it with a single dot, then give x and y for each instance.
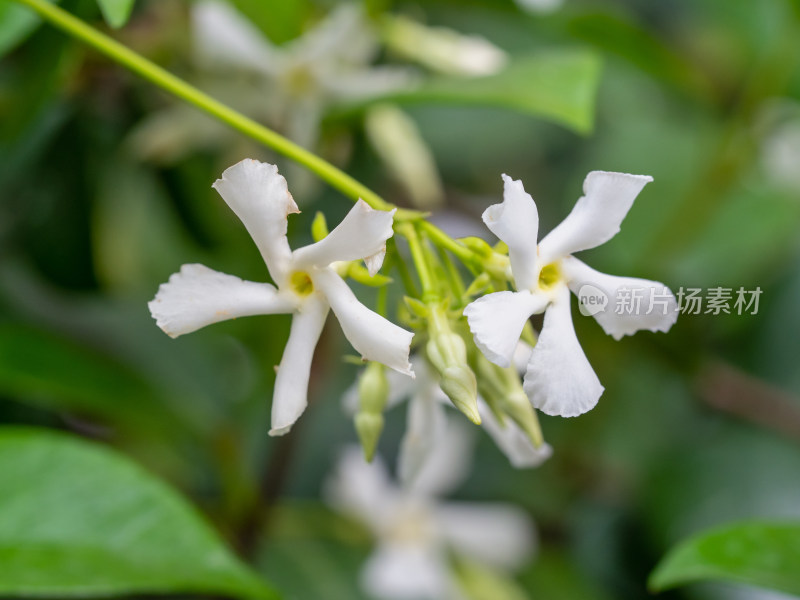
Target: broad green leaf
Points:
(16, 23)
(78, 519)
(116, 12)
(45, 369)
(754, 553)
(559, 86)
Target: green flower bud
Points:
(369, 427)
(448, 354)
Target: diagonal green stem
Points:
(169, 82)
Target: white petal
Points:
(449, 460)
(361, 234)
(426, 423)
(496, 322)
(499, 535)
(369, 82)
(407, 572)
(516, 222)
(375, 262)
(559, 380)
(343, 36)
(375, 337)
(198, 296)
(633, 304)
(512, 441)
(361, 489)
(291, 384)
(522, 355)
(597, 215)
(225, 38)
(260, 198)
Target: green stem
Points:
(169, 82)
(440, 238)
(429, 293)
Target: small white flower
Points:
(559, 379)
(427, 422)
(415, 531)
(307, 285)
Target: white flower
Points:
(307, 285)
(427, 422)
(415, 531)
(329, 63)
(559, 379)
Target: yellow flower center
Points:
(549, 276)
(301, 283)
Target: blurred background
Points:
(105, 190)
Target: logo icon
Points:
(592, 299)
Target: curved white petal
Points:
(596, 217)
(632, 304)
(361, 234)
(496, 321)
(512, 441)
(291, 384)
(260, 198)
(516, 222)
(499, 535)
(375, 262)
(344, 36)
(197, 296)
(559, 380)
(225, 38)
(426, 423)
(375, 337)
(367, 83)
(398, 571)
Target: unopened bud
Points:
(448, 353)
(373, 394)
(369, 427)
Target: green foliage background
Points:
(697, 428)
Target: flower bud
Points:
(448, 354)
(373, 394)
(369, 427)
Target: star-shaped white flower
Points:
(416, 531)
(307, 285)
(559, 379)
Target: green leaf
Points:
(47, 370)
(116, 12)
(16, 23)
(78, 519)
(559, 86)
(280, 20)
(754, 553)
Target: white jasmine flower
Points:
(559, 379)
(427, 422)
(415, 531)
(307, 285)
(330, 63)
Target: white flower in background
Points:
(416, 532)
(330, 63)
(778, 130)
(307, 285)
(559, 379)
(427, 422)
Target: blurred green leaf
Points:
(116, 12)
(559, 86)
(753, 553)
(77, 519)
(16, 23)
(42, 368)
(641, 48)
